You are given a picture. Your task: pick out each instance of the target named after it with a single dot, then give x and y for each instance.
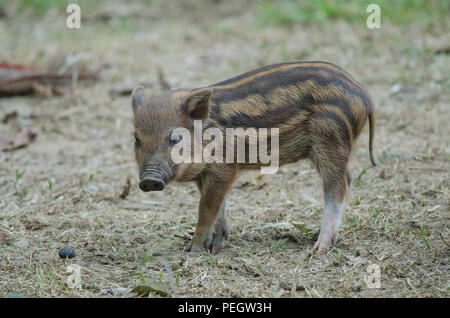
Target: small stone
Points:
(122, 290)
(22, 243)
(66, 252)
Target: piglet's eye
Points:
(173, 142)
(137, 142)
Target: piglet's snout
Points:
(151, 183)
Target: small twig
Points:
(162, 82)
(443, 240)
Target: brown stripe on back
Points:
(283, 103)
(262, 71)
(282, 67)
(275, 79)
(253, 105)
(343, 73)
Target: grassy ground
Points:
(63, 189)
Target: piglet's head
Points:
(155, 121)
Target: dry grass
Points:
(74, 172)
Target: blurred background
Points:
(66, 147)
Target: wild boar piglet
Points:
(274, 115)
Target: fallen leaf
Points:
(20, 140)
(9, 116)
(152, 287)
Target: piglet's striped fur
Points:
(318, 108)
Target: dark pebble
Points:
(66, 252)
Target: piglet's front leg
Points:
(213, 187)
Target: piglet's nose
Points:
(151, 184)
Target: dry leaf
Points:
(17, 141)
(152, 287)
(9, 116)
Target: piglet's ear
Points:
(138, 97)
(197, 104)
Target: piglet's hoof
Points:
(213, 243)
(200, 243)
(324, 242)
(220, 235)
(194, 249)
